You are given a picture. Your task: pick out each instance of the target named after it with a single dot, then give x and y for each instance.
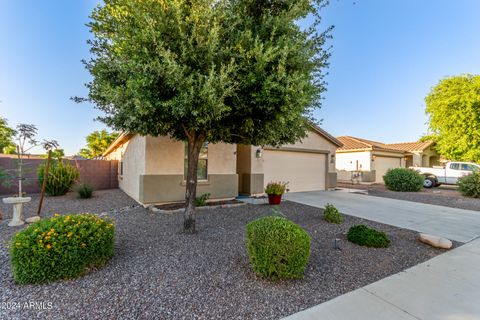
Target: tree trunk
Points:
(194, 146)
(44, 183)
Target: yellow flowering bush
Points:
(61, 247)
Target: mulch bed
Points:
(181, 205)
(159, 272)
(447, 196)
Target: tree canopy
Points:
(233, 71)
(97, 143)
(7, 135)
(453, 107)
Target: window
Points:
(121, 168)
(469, 167)
(455, 166)
(202, 170)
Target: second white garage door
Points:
(303, 170)
(382, 164)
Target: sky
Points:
(386, 56)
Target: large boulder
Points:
(434, 241)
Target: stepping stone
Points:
(434, 241)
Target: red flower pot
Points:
(274, 199)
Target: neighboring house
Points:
(370, 160)
(418, 154)
(152, 169)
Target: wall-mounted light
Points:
(373, 158)
(332, 158)
(259, 153)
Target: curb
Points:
(156, 210)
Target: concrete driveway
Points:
(455, 224)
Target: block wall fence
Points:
(101, 174)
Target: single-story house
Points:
(152, 169)
(369, 160)
(418, 154)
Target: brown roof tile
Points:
(359, 144)
(411, 146)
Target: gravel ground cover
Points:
(447, 196)
(160, 273)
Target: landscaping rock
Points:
(33, 219)
(158, 272)
(434, 241)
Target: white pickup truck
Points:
(446, 175)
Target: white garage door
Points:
(382, 164)
(304, 171)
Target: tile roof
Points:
(411, 146)
(359, 144)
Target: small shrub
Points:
(202, 200)
(62, 247)
(84, 190)
(365, 236)
(469, 186)
(403, 179)
(277, 248)
(276, 188)
(331, 214)
(61, 177)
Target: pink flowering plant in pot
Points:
(275, 190)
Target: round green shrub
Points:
(84, 190)
(277, 248)
(331, 214)
(365, 236)
(61, 177)
(403, 179)
(469, 185)
(62, 247)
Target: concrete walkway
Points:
(455, 224)
(446, 287)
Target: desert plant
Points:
(276, 188)
(24, 137)
(61, 177)
(61, 247)
(331, 214)
(277, 248)
(84, 190)
(470, 185)
(403, 179)
(365, 236)
(202, 200)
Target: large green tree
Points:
(453, 107)
(97, 143)
(233, 71)
(7, 135)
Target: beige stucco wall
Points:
(132, 155)
(427, 158)
(166, 156)
(347, 161)
(249, 169)
(163, 156)
(163, 179)
(222, 158)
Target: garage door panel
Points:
(304, 171)
(382, 164)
